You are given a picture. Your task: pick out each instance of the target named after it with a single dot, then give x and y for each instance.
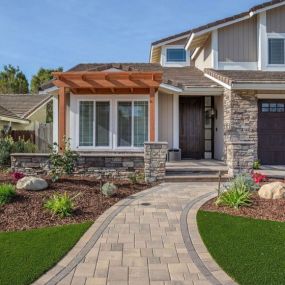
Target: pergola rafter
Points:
(100, 82)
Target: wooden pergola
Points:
(112, 82)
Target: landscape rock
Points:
(274, 190)
(109, 189)
(32, 183)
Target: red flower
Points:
(17, 176)
(258, 178)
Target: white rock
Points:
(32, 183)
(274, 190)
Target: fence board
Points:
(23, 134)
(44, 137)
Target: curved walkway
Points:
(151, 238)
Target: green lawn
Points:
(26, 255)
(250, 251)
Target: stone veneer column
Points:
(154, 161)
(240, 121)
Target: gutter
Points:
(14, 120)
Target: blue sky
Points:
(52, 33)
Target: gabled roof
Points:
(198, 31)
(21, 106)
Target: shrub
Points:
(109, 189)
(256, 165)
(8, 145)
(7, 192)
(234, 198)
(243, 181)
(62, 163)
(136, 177)
(23, 146)
(61, 204)
(17, 176)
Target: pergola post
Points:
(152, 129)
(62, 100)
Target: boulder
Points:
(274, 190)
(32, 183)
(109, 189)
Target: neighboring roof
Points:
(183, 77)
(144, 67)
(20, 106)
(238, 78)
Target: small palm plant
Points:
(61, 204)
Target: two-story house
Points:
(216, 91)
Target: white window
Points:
(94, 123)
(175, 55)
(132, 123)
(276, 51)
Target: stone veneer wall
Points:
(240, 122)
(115, 165)
(155, 161)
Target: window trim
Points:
(175, 61)
(132, 100)
(163, 59)
(74, 120)
(275, 36)
(77, 134)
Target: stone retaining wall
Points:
(117, 165)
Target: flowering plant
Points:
(258, 178)
(17, 176)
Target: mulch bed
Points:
(263, 209)
(26, 209)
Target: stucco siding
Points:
(204, 59)
(165, 118)
(238, 42)
(275, 19)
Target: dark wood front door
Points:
(191, 127)
(271, 132)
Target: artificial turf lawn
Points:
(26, 255)
(251, 251)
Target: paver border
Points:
(195, 246)
(89, 239)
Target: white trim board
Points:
(223, 65)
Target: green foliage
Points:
(13, 81)
(243, 181)
(7, 192)
(27, 255)
(61, 204)
(62, 163)
(136, 177)
(251, 251)
(256, 165)
(8, 146)
(234, 198)
(109, 189)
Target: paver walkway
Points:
(144, 240)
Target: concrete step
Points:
(193, 171)
(196, 178)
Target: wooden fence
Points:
(26, 135)
(43, 137)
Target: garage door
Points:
(271, 132)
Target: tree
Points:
(42, 76)
(13, 81)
